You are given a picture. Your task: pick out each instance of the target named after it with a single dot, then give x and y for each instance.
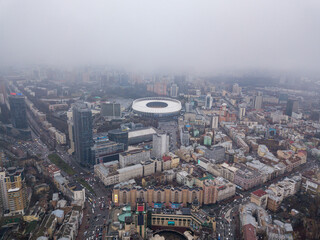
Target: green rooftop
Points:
(123, 216)
(209, 176)
(126, 209)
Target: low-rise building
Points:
(254, 219)
(247, 178)
(217, 189)
(185, 179)
(60, 137)
(311, 181)
(53, 170)
(133, 157)
(281, 190)
(72, 190)
(228, 171)
(130, 172)
(260, 198)
(267, 172)
(165, 196)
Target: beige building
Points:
(149, 167)
(17, 199)
(130, 172)
(152, 195)
(217, 189)
(228, 172)
(175, 160)
(260, 198)
(107, 173)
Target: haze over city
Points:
(201, 36)
(159, 120)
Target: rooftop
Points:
(130, 168)
(259, 193)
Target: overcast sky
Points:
(197, 35)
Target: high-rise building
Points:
(188, 107)
(184, 137)
(111, 110)
(236, 89)
(208, 103)
(292, 106)
(214, 121)
(13, 191)
(82, 125)
(70, 131)
(18, 110)
(160, 145)
(160, 88)
(242, 111)
(258, 101)
(3, 192)
(174, 90)
(207, 140)
(315, 115)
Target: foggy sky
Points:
(194, 35)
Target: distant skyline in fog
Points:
(144, 35)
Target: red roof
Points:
(166, 158)
(53, 168)
(259, 193)
(249, 232)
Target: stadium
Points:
(158, 107)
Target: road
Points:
(96, 213)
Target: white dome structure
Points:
(156, 107)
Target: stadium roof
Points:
(156, 105)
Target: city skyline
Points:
(203, 37)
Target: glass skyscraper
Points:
(18, 111)
(83, 141)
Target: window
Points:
(176, 197)
(124, 197)
(194, 195)
(159, 197)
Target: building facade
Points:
(174, 90)
(111, 110)
(208, 102)
(18, 111)
(165, 196)
(160, 145)
(133, 157)
(16, 189)
(82, 118)
(258, 102)
(292, 106)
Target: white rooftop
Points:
(130, 168)
(172, 105)
(142, 132)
